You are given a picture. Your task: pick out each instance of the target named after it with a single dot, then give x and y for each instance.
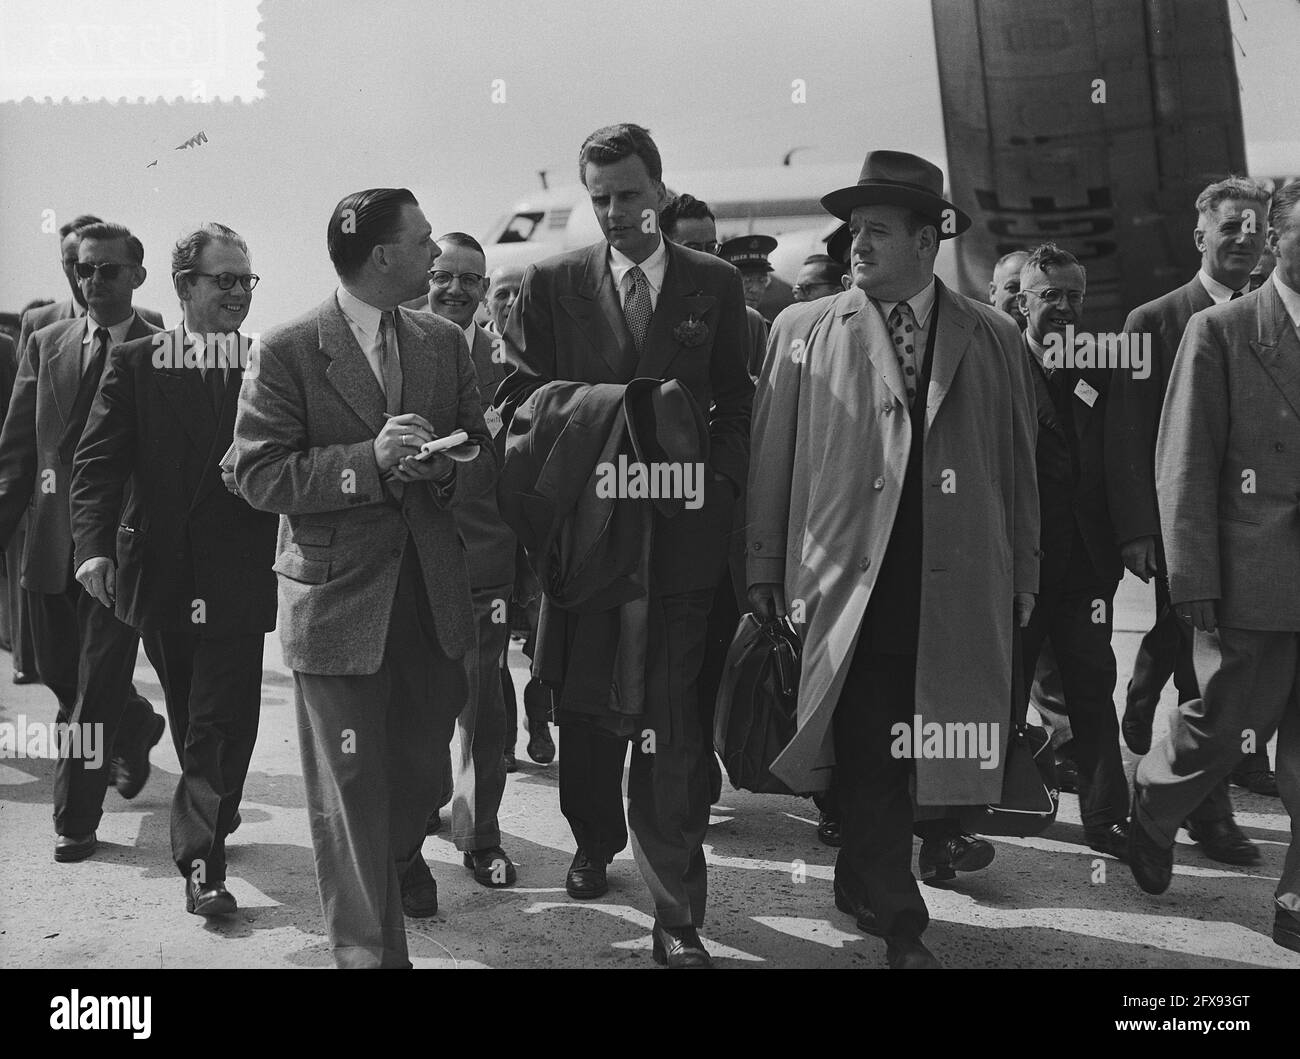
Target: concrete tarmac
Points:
(1047, 901)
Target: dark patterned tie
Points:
(902, 326)
(636, 306)
(390, 362)
(86, 391)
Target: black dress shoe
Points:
(133, 765)
(1136, 730)
(586, 878)
(541, 747)
(1152, 864)
(1223, 841)
(491, 867)
(21, 677)
(1257, 781)
(828, 830)
(1108, 838)
(679, 947)
(511, 762)
(1067, 774)
(861, 912)
(1286, 927)
(941, 859)
(74, 847)
(419, 891)
(906, 952)
(208, 900)
(434, 824)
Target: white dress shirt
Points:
(116, 336)
(1220, 292)
(1290, 299)
(364, 319)
(469, 334)
(654, 268)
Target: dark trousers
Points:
(537, 705)
(1165, 651)
(373, 748)
(87, 657)
(480, 770)
(1078, 619)
(1251, 683)
(874, 865)
(668, 782)
(19, 604)
(214, 696)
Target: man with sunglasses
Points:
(819, 276)
(190, 565)
(31, 321)
(84, 654)
(1081, 566)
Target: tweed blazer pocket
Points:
(299, 568)
(312, 535)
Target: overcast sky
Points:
(400, 94)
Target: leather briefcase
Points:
(1030, 792)
(756, 712)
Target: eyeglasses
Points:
(443, 279)
(704, 248)
(1055, 294)
(226, 280)
(110, 271)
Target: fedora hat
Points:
(896, 178)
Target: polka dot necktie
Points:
(902, 327)
(636, 306)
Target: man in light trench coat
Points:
(894, 516)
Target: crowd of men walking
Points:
(916, 478)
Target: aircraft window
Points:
(559, 217)
(520, 228)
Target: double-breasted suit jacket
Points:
(185, 537)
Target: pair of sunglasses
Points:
(110, 271)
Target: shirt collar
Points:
(116, 333)
(364, 315)
(1036, 348)
(921, 304)
(469, 334)
(654, 266)
(1290, 299)
(1220, 292)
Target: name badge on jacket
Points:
(1086, 393)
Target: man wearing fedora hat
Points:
(894, 515)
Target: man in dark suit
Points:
(1080, 566)
(456, 290)
(84, 654)
(1230, 235)
(189, 566)
(637, 306)
(375, 615)
(1227, 481)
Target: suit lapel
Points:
(596, 310)
(953, 338)
(349, 371)
(420, 369)
(857, 319)
(1046, 407)
(64, 366)
(1278, 346)
(680, 299)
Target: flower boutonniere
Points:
(691, 332)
